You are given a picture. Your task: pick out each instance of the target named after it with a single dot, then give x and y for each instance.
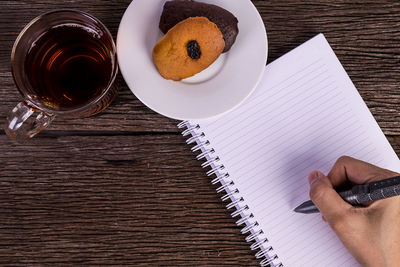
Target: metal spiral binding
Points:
(251, 228)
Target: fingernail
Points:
(313, 177)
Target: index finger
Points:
(356, 171)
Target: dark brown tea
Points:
(69, 66)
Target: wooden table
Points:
(122, 188)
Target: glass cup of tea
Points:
(63, 64)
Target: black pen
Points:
(361, 195)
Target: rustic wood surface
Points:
(122, 188)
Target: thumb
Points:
(327, 200)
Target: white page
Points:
(305, 114)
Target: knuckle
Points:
(343, 159)
(339, 164)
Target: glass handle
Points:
(24, 122)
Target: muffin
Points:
(189, 47)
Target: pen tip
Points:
(306, 208)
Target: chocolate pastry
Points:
(178, 10)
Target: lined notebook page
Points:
(305, 114)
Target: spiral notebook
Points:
(304, 114)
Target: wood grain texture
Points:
(137, 200)
(122, 188)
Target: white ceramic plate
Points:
(216, 90)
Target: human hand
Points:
(372, 233)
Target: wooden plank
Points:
(364, 34)
(113, 200)
(137, 200)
